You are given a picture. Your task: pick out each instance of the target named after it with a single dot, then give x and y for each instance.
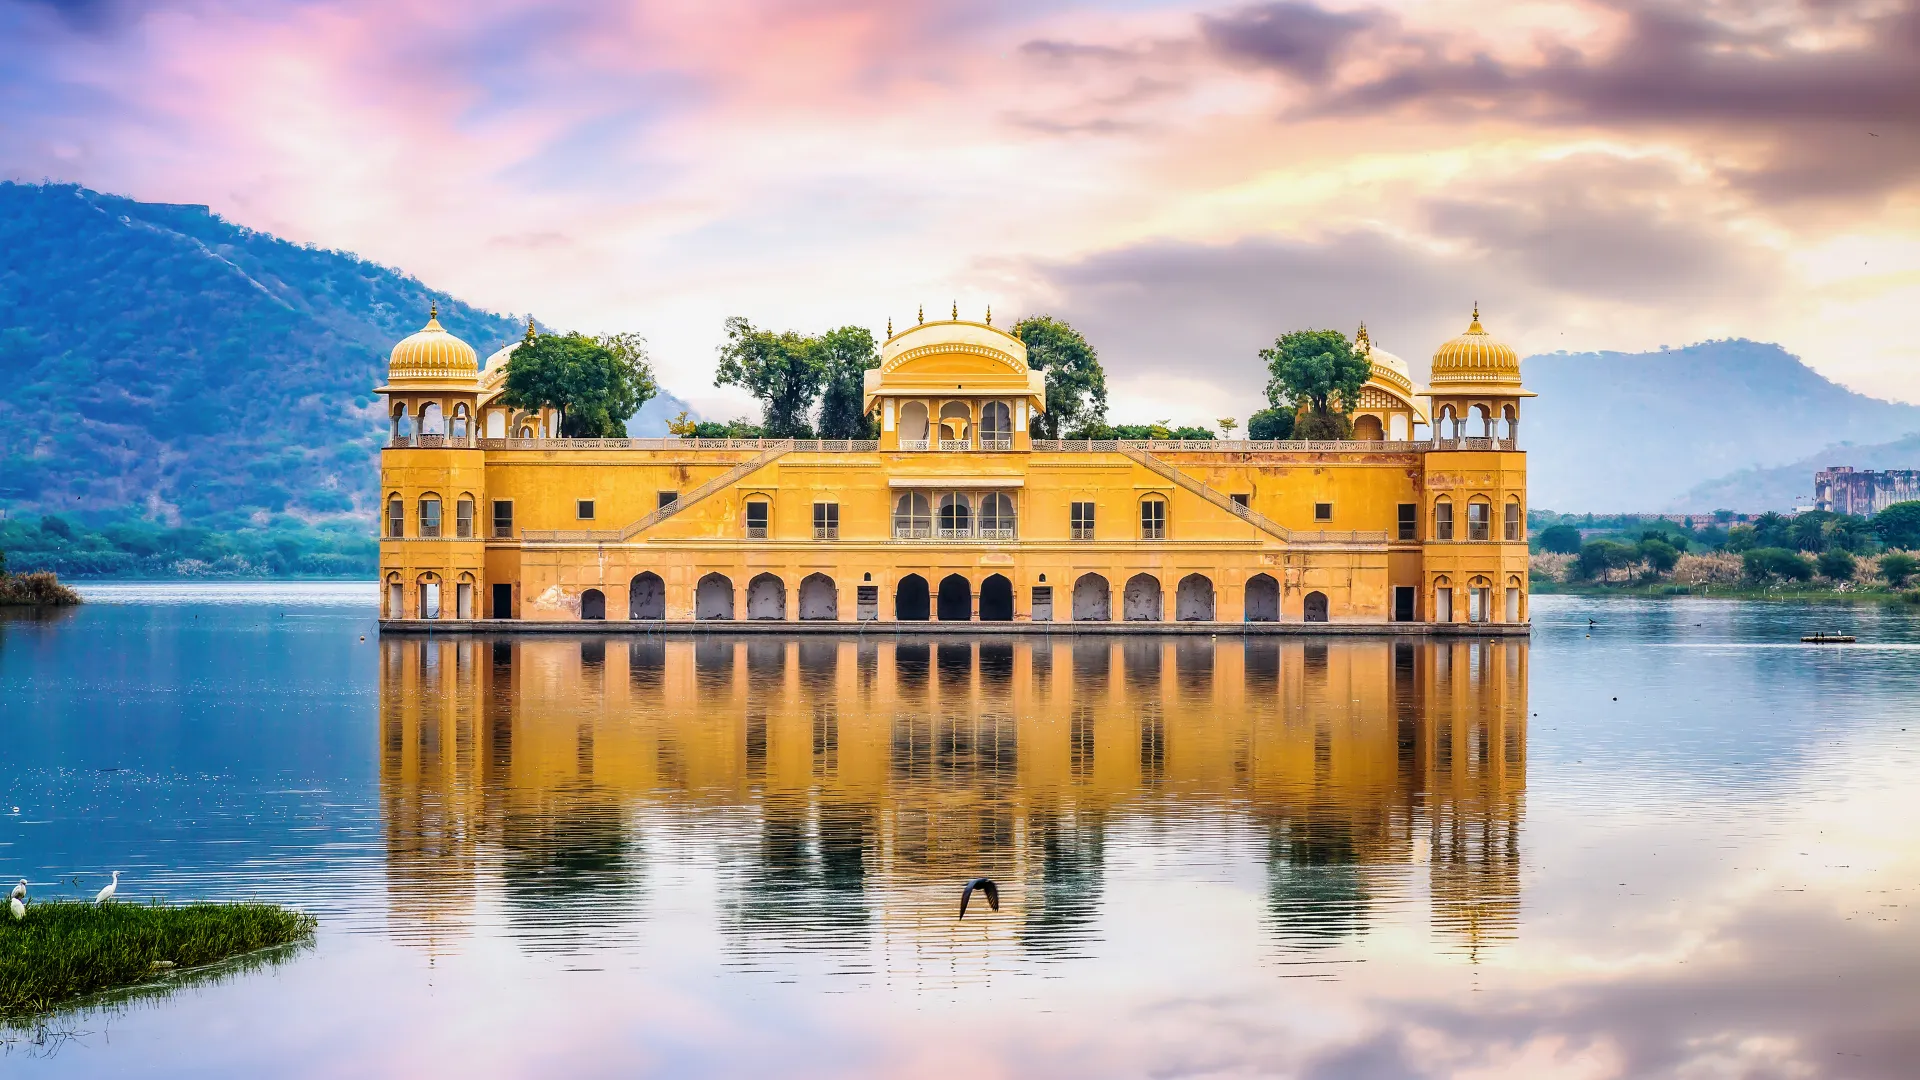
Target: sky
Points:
(1182, 181)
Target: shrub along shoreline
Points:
(63, 951)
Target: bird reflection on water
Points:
(838, 791)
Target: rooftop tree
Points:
(1076, 384)
(783, 371)
(1317, 374)
(596, 383)
(845, 356)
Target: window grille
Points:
(1082, 518)
(826, 521)
(1153, 519)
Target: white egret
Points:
(19, 909)
(20, 890)
(106, 894)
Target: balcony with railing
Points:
(826, 532)
(953, 445)
(995, 444)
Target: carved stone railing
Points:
(431, 442)
(996, 444)
(1225, 446)
(953, 445)
(1475, 444)
(914, 444)
(817, 446)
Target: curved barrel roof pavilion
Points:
(956, 513)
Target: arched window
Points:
(1443, 518)
(1445, 426)
(459, 421)
(1397, 427)
(402, 424)
(913, 425)
(430, 422)
(996, 516)
(396, 516)
(396, 598)
(1513, 524)
(429, 596)
(1479, 513)
(996, 426)
(912, 517)
(1442, 599)
(956, 515)
(1508, 422)
(429, 515)
(496, 424)
(1367, 428)
(463, 518)
(526, 431)
(1153, 518)
(956, 426)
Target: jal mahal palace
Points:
(956, 514)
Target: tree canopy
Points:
(1899, 525)
(1270, 424)
(596, 383)
(1564, 539)
(1318, 375)
(1076, 384)
(845, 356)
(783, 371)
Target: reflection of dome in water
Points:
(1476, 358)
(432, 353)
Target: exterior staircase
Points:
(1246, 514)
(692, 498)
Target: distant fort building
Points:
(956, 513)
(1841, 490)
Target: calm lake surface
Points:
(1674, 842)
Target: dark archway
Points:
(956, 599)
(646, 596)
(910, 599)
(1142, 600)
(996, 599)
(1092, 599)
(713, 597)
(818, 598)
(1316, 607)
(766, 597)
(1263, 599)
(593, 604)
(1193, 600)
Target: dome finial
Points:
(530, 330)
(920, 314)
(433, 310)
(989, 314)
(889, 327)
(956, 311)
(1476, 318)
(1360, 338)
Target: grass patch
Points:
(63, 951)
(38, 589)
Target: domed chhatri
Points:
(1475, 358)
(433, 353)
(1385, 365)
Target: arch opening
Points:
(593, 605)
(766, 597)
(1367, 428)
(819, 598)
(910, 599)
(956, 599)
(1193, 599)
(1142, 601)
(912, 517)
(913, 422)
(996, 599)
(713, 597)
(430, 421)
(647, 596)
(996, 426)
(1092, 599)
(1263, 599)
(1316, 606)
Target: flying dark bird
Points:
(985, 885)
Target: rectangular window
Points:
(463, 519)
(757, 520)
(1153, 519)
(1443, 520)
(396, 518)
(583, 508)
(1323, 511)
(430, 518)
(664, 499)
(1082, 516)
(1043, 603)
(503, 518)
(1512, 522)
(826, 521)
(1243, 500)
(1409, 521)
(1477, 526)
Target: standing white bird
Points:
(19, 909)
(20, 890)
(106, 894)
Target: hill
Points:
(1785, 486)
(1617, 432)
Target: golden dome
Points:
(1475, 358)
(433, 354)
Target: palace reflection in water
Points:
(838, 792)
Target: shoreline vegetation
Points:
(65, 951)
(41, 588)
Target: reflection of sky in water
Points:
(687, 856)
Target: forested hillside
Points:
(160, 358)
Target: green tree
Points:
(782, 371)
(1600, 558)
(1076, 384)
(1896, 567)
(845, 356)
(1270, 424)
(1659, 554)
(1318, 372)
(1899, 525)
(1768, 563)
(1741, 538)
(1837, 564)
(595, 383)
(1562, 539)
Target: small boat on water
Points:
(1826, 639)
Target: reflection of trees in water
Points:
(1316, 893)
(1066, 865)
(572, 871)
(804, 884)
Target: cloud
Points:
(1298, 38)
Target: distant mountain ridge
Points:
(1617, 432)
(159, 356)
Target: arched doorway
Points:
(593, 605)
(956, 599)
(647, 596)
(910, 600)
(1316, 607)
(1263, 599)
(1142, 602)
(1092, 599)
(1368, 428)
(913, 425)
(996, 599)
(766, 597)
(713, 597)
(819, 600)
(1193, 600)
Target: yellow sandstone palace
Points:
(955, 513)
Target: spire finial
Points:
(530, 330)
(1476, 313)
(920, 314)
(989, 314)
(1360, 338)
(433, 310)
(956, 311)
(889, 326)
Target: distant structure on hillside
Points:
(1841, 490)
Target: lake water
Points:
(1672, 842)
